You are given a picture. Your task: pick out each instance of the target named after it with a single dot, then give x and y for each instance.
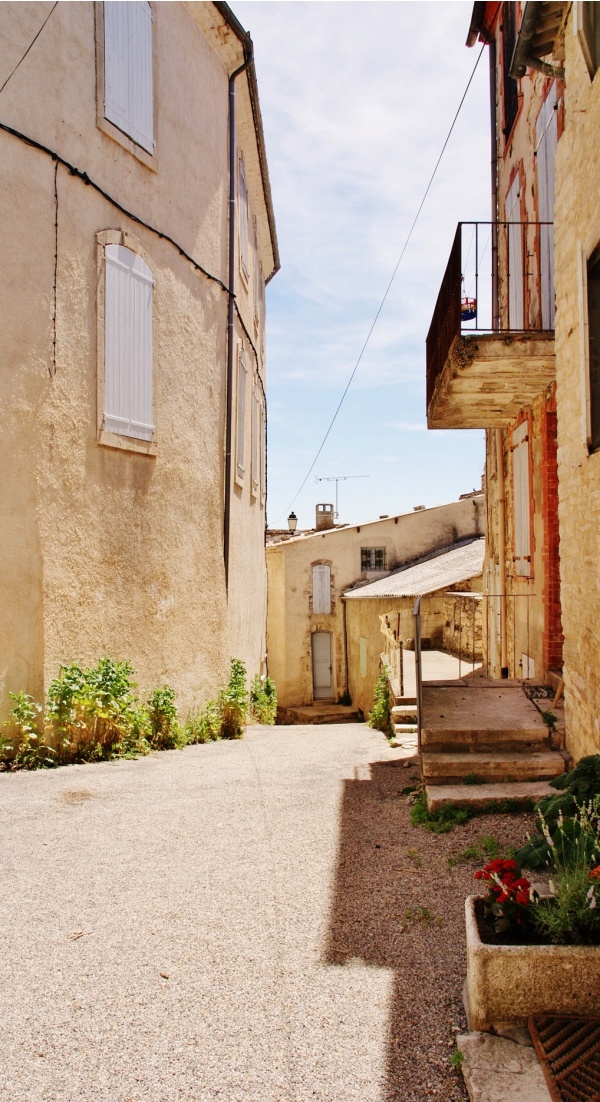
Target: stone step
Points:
(481, 796)
(401, 712)
(500, 766)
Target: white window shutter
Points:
(521, 505)
(255, 441)
(128, 92)
(243, 220)
(241, 415)
(128, 360)
(321, 587)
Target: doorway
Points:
(322, 668)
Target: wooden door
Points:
(322, 665)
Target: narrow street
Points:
(252, 921)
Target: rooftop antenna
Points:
(339, 478)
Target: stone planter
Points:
(507, 984)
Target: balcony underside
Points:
(488, 378)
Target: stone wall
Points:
(577, 227)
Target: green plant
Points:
(263, 699)
(457, 1059)
(28, 748)
(95, 713)
(165, 730)
(415, 857)
(579, 786)
(572, 915)
(203, 725)
(472, 778)
(549, 719)
(414, 915)
(438, 822)
(233, 702)
(489, 845)
(380, 716)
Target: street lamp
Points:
(292, 522)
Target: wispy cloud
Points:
(357, 99)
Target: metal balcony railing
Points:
(499, 278)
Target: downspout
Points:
(249, 57)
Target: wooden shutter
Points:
(546, 142)
(522, 501)
(243, 220)
(515, 256)
(256, 426)
(263, 455)
(128, 361)
(241, 415)
(321, 589)
(128, 92)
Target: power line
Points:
(389, 286)
(10, 75)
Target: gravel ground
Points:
(251, 922)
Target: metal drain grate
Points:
(569, 1052)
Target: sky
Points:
(357, 99)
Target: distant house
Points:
(308, 575)
(134, 254)
(449, 581)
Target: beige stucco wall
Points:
(105, 551)
(290, 621)
(577, 220)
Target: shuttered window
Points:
(128, 92)
(241, 416)
(256, 430)
(321, 589)
(372, 559)
(522, 501)
(546, 141)
(586, 25)
(128, 366)
(514, 230)
(243, 221)
(263, 455)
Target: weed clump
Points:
(380, 715)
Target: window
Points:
(256, 441)
(372, 558)
(522, 501)
(546, 134)
(243, 221)
(586, 25)
(241, 416)
(509, 37)
(128, 78)
(321, 589)
(126, 376)
(263, 455)
(590, 346)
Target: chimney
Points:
(324, 518)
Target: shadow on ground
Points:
(389, 910)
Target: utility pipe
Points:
(249, 57)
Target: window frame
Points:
(585, 34)
(243, 223)
(373, 552)
(522, 495)
(316, 570)
(150, 160)
(103, 436)
(590, 397)
(240, 416)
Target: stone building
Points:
(491, 358)
(309, 574)
(577, 242)
(136, 240)
(449, 581)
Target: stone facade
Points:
(577, 236)
(292, 620)
(113, 544)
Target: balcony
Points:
(490, 346)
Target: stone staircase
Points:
(484, 742)
(404, 722)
